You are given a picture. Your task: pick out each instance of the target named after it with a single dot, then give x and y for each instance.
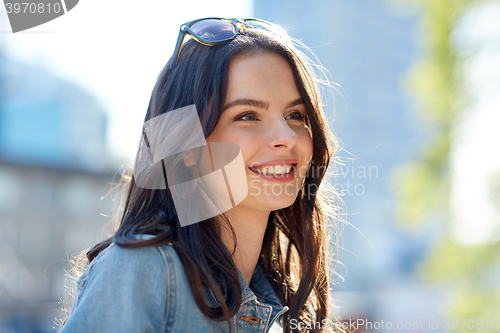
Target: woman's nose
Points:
(281, 135)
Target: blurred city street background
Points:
(416, 106)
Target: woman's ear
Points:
(189, 158)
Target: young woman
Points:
(259, 266)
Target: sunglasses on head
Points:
(216, 30)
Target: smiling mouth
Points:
(275, 171)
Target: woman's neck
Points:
(249, 228)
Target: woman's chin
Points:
(276, 202)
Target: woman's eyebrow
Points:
(296, 102)
(246, 101)
(259, 104)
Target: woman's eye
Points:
(295, 116)
(247, 116)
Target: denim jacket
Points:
(145, 289)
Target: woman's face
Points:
(264, 115)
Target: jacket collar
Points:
(260, 289)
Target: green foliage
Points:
(457, 263)
(423, 186)
(481, 306)
(424, 193)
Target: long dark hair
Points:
(295, 247)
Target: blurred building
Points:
(47, 121)
(368, 47)
(54, 169)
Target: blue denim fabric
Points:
(145, 289)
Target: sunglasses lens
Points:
(214, 30)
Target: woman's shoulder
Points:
(140, 262)
(119, 257)
(126, 287)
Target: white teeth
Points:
(276, 170)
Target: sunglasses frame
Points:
(186, 29)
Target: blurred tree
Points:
(423, 186)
